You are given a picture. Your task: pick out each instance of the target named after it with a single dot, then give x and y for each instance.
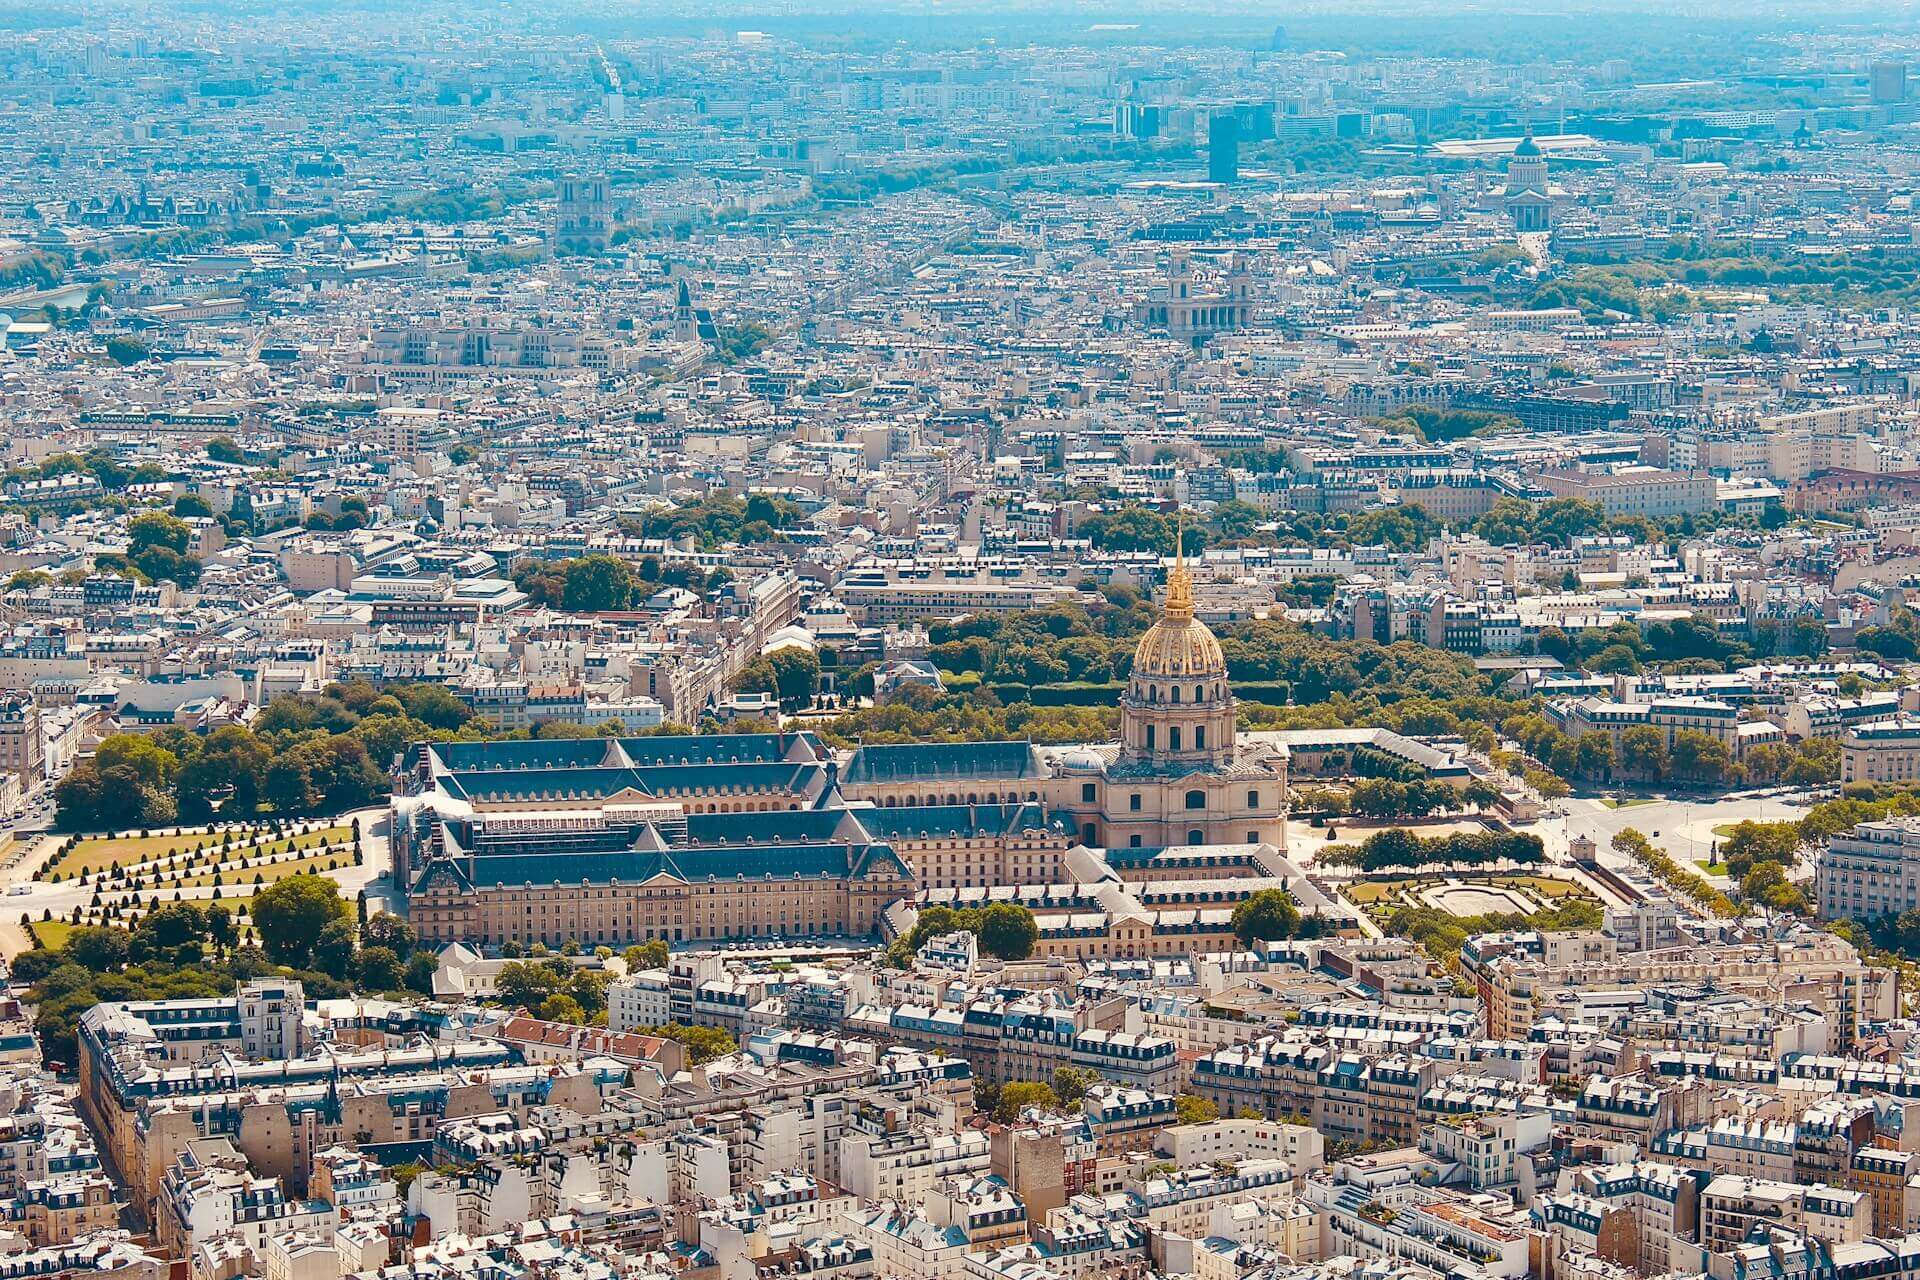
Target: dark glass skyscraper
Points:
(1223, 148)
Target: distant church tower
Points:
(582, 217)
(691, 323)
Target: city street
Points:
(1684, 827)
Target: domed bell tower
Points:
(1178, 714)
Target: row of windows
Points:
(1174, 739)
(1090, 792)
(1173, 694)
(1194, 836)
(953, 797)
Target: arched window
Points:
(1196, 799)
(1196, 836)
(1153, 693)
(1199, 693)
(1175, 693)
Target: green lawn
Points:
(100, 852)
(1366, 893)
(1725, 830)
(1379, 898)
(1545, 886)
(1711, 867)
(242, 897)
(51, 934)
(97, 853)
(278, 871)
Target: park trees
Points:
(1070, 1084)
(703, 1044)
(1018, 1095)
(651, 954)
(1643, 752)
(332, 952)
(99, 948)
(1750, 843)
(380, 969)
(157, 545)
(1008, 931)
(175, 934)
(596, 584)
(1267, 916)
(1191, 1108)
(290, 915)
(384, 929)
(1397, 849)
(304, 754)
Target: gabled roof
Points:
(879, 860)
(956, 762)
(442, 873)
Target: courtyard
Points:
(1463, 896)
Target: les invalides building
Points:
(708, 837)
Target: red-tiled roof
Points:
(629, 1046)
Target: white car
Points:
(19, 890)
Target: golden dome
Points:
(1178, 646)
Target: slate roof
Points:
(486, 786)
(796, 825)
(441, 873)
(669, 749)
(956, 820)
(824, 858)
(678, 778)
(723, 748)
(558, 753)
(508, 785)
(629, 866)
(944, 762)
